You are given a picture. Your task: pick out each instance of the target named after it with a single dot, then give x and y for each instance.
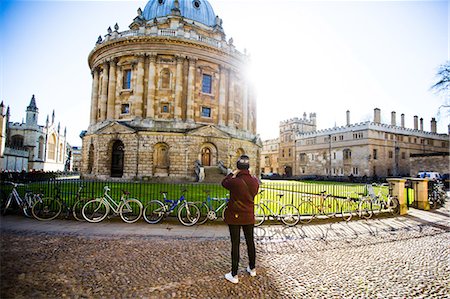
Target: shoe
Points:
(252, 272)
(231, 278)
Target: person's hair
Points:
(243, 162)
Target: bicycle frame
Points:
(173, 203)
(24, 203)
(264, 204)
(111, 203)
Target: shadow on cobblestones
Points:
(55, 266)
(385, 257)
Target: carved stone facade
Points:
(269, 156)
(166, 93)
(288, 130)
(30, 146)
(370, 149)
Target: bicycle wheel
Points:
(95, 210)
(260, 215)
(223, 212)
(306, 211)
(394, 206)
(289, 215)
(365, 209)
(347, 209)
(47, 208)
(154, 211)
(77, 209)
(204, 212)
(131, 210)
(6, 203)
(188, 214)
(330, 206)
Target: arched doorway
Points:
(288, 171)
(161, 160)
(117, 159)
(206, 156)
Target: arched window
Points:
(161, 157)
(52, 147)
(61, 152)
(17, 141)
(165, 78)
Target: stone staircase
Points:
(213, 174)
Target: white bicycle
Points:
(129, 209)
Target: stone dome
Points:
(197, 10)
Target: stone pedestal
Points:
(420, 187)
(397, 187)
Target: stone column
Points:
(139, 95)
(104, 95)
(231, 99)
(94, 97)
(245, 107)
(151, 86)
(111, 90)
(222, 108)
(191, 90)
(252, 126)
(398, 189)
(119, 87)
(421, 193)
(178, 88)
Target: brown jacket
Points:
(243, 188)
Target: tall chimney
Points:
(433, 125)
(393, 119)
(376, 115)
(421, 124)
(402, 117)
(416, 122)
(348, 117)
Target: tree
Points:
(442, 86)
(443, 83)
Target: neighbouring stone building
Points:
(269, 156)
(370, 149)
(30, 146)
(167, 94)
(436, 162)
(288, 130)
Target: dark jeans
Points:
(235, 234)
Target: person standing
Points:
(243, 188)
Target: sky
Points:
(325, 57)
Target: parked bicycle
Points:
(129, 209)
(437, 194)
(276, 210)
(211, 208)
(188, 213)
(49, 208)
(23, 203)
(361, 206)
(323, 204)
(381, 203)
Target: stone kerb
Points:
(397, 187)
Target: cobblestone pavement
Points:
(401, 257)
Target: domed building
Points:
(168, 95)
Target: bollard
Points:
(398, 189)
(421, 193)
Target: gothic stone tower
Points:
(167, 93)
